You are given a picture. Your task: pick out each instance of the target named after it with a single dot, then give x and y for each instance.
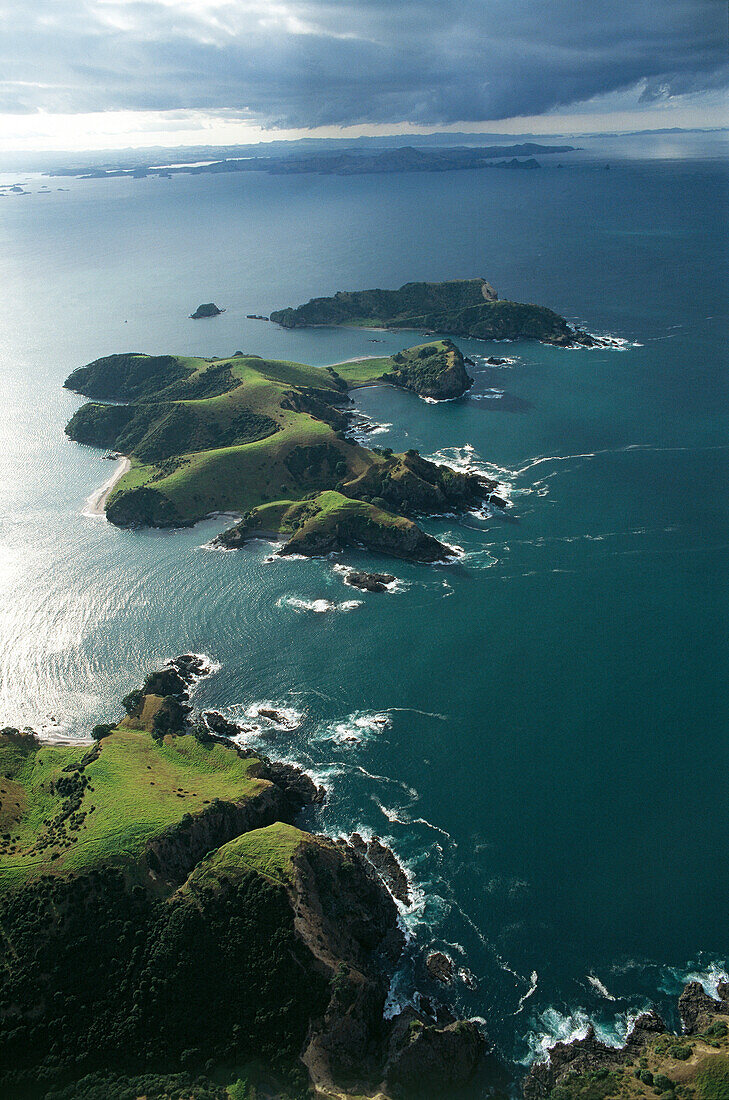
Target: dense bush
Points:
(96, 975)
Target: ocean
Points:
(539, 729)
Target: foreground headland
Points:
(269, 440)
(163, 914)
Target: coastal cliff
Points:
(162, 913)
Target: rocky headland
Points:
(654, 1062)
(167, 914)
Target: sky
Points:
(96, 74)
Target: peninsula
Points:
(267, 439)
(163, 914)
(462, 307)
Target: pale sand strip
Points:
(97, 501)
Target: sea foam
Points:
(319, 607)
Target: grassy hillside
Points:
(245, 433)
(269, 852)
(463, 307)
(74, 808)
(207, 436)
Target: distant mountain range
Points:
(346, 163)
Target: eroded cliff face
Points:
(349, 922)
(172, 855)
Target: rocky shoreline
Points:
(653, 1060)
(337, 898)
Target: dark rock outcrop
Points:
(587, 1055)
(349, 922)
(219, 725)
(696, 1008)
(299, 788)
(387, 865)
(369, 582)
(426, 1059)
(206, 309)
(440, 967)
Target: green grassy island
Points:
(162, 913)
(268, 439)
(462, 307)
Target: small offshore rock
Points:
(369, 582)
(273, 715)
(440, 967)
(468, 978)
(206, 309)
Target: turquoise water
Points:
(541, 728)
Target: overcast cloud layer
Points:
(336, 62)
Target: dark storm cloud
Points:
(317, 62)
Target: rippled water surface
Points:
(541, 728)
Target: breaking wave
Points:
(599, 987)
(356, 728)
(319, 607)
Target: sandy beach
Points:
(96, 502)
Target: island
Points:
(268, 440)
(206, 309)
(163, 913)
(461, 307)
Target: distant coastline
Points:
(348, 162)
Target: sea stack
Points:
(206, 309)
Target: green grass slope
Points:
(206, 436)
(70, 809)
(237, 434)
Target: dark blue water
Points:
(541, 728)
